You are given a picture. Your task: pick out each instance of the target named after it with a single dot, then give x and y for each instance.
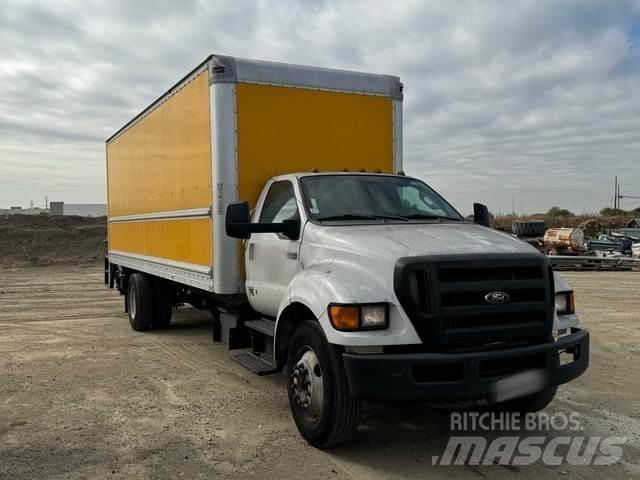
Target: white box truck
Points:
(272, 195)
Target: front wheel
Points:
(323, 408)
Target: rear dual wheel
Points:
(149, 302)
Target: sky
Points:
(519, 105)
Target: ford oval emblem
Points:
(497, 298)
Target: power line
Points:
(617, 195)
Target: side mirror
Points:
(290, 229)
(481, 215)
(238, 224)
(237, 220)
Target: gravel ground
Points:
(84, 396)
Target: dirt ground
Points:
(27, 240)
(84, 396)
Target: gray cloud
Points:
(532, 102)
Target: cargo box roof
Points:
(225, 69)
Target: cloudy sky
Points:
(525, 103)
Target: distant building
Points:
(23, 211)
(56, 208)
(79, 209)
(61, 208)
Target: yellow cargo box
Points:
(217, 137)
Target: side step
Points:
(254, 363)
(266, 327)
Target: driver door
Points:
(271, 259)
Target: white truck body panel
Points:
(355, 264)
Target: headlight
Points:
(349, 318)
(374, 316)
(565, 303)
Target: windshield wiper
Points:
(403, 218)
(347, 216)
(361, 216)
(425, 216)
(391, 217)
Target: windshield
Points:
(372, 197)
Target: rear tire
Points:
(332, 414)
(163, 305)
(140, 301)
(531, 403)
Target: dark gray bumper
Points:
(442, 376)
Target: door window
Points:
(280, 204)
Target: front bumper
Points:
(444, 376)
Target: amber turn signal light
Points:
(572, 302)
(344, 318)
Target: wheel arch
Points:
(291, 316)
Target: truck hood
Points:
(356, 263)
(392, 241)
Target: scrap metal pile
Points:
(568, 250)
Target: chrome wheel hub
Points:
(307, 386)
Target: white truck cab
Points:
(375, 287)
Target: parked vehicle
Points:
(609, 244)
(563, 241)
(243, 191)
(552, 241)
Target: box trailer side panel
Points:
(285, 130)
(159, 181)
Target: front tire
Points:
(322, 406)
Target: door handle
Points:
(292, 255)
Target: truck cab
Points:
(376, 288)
